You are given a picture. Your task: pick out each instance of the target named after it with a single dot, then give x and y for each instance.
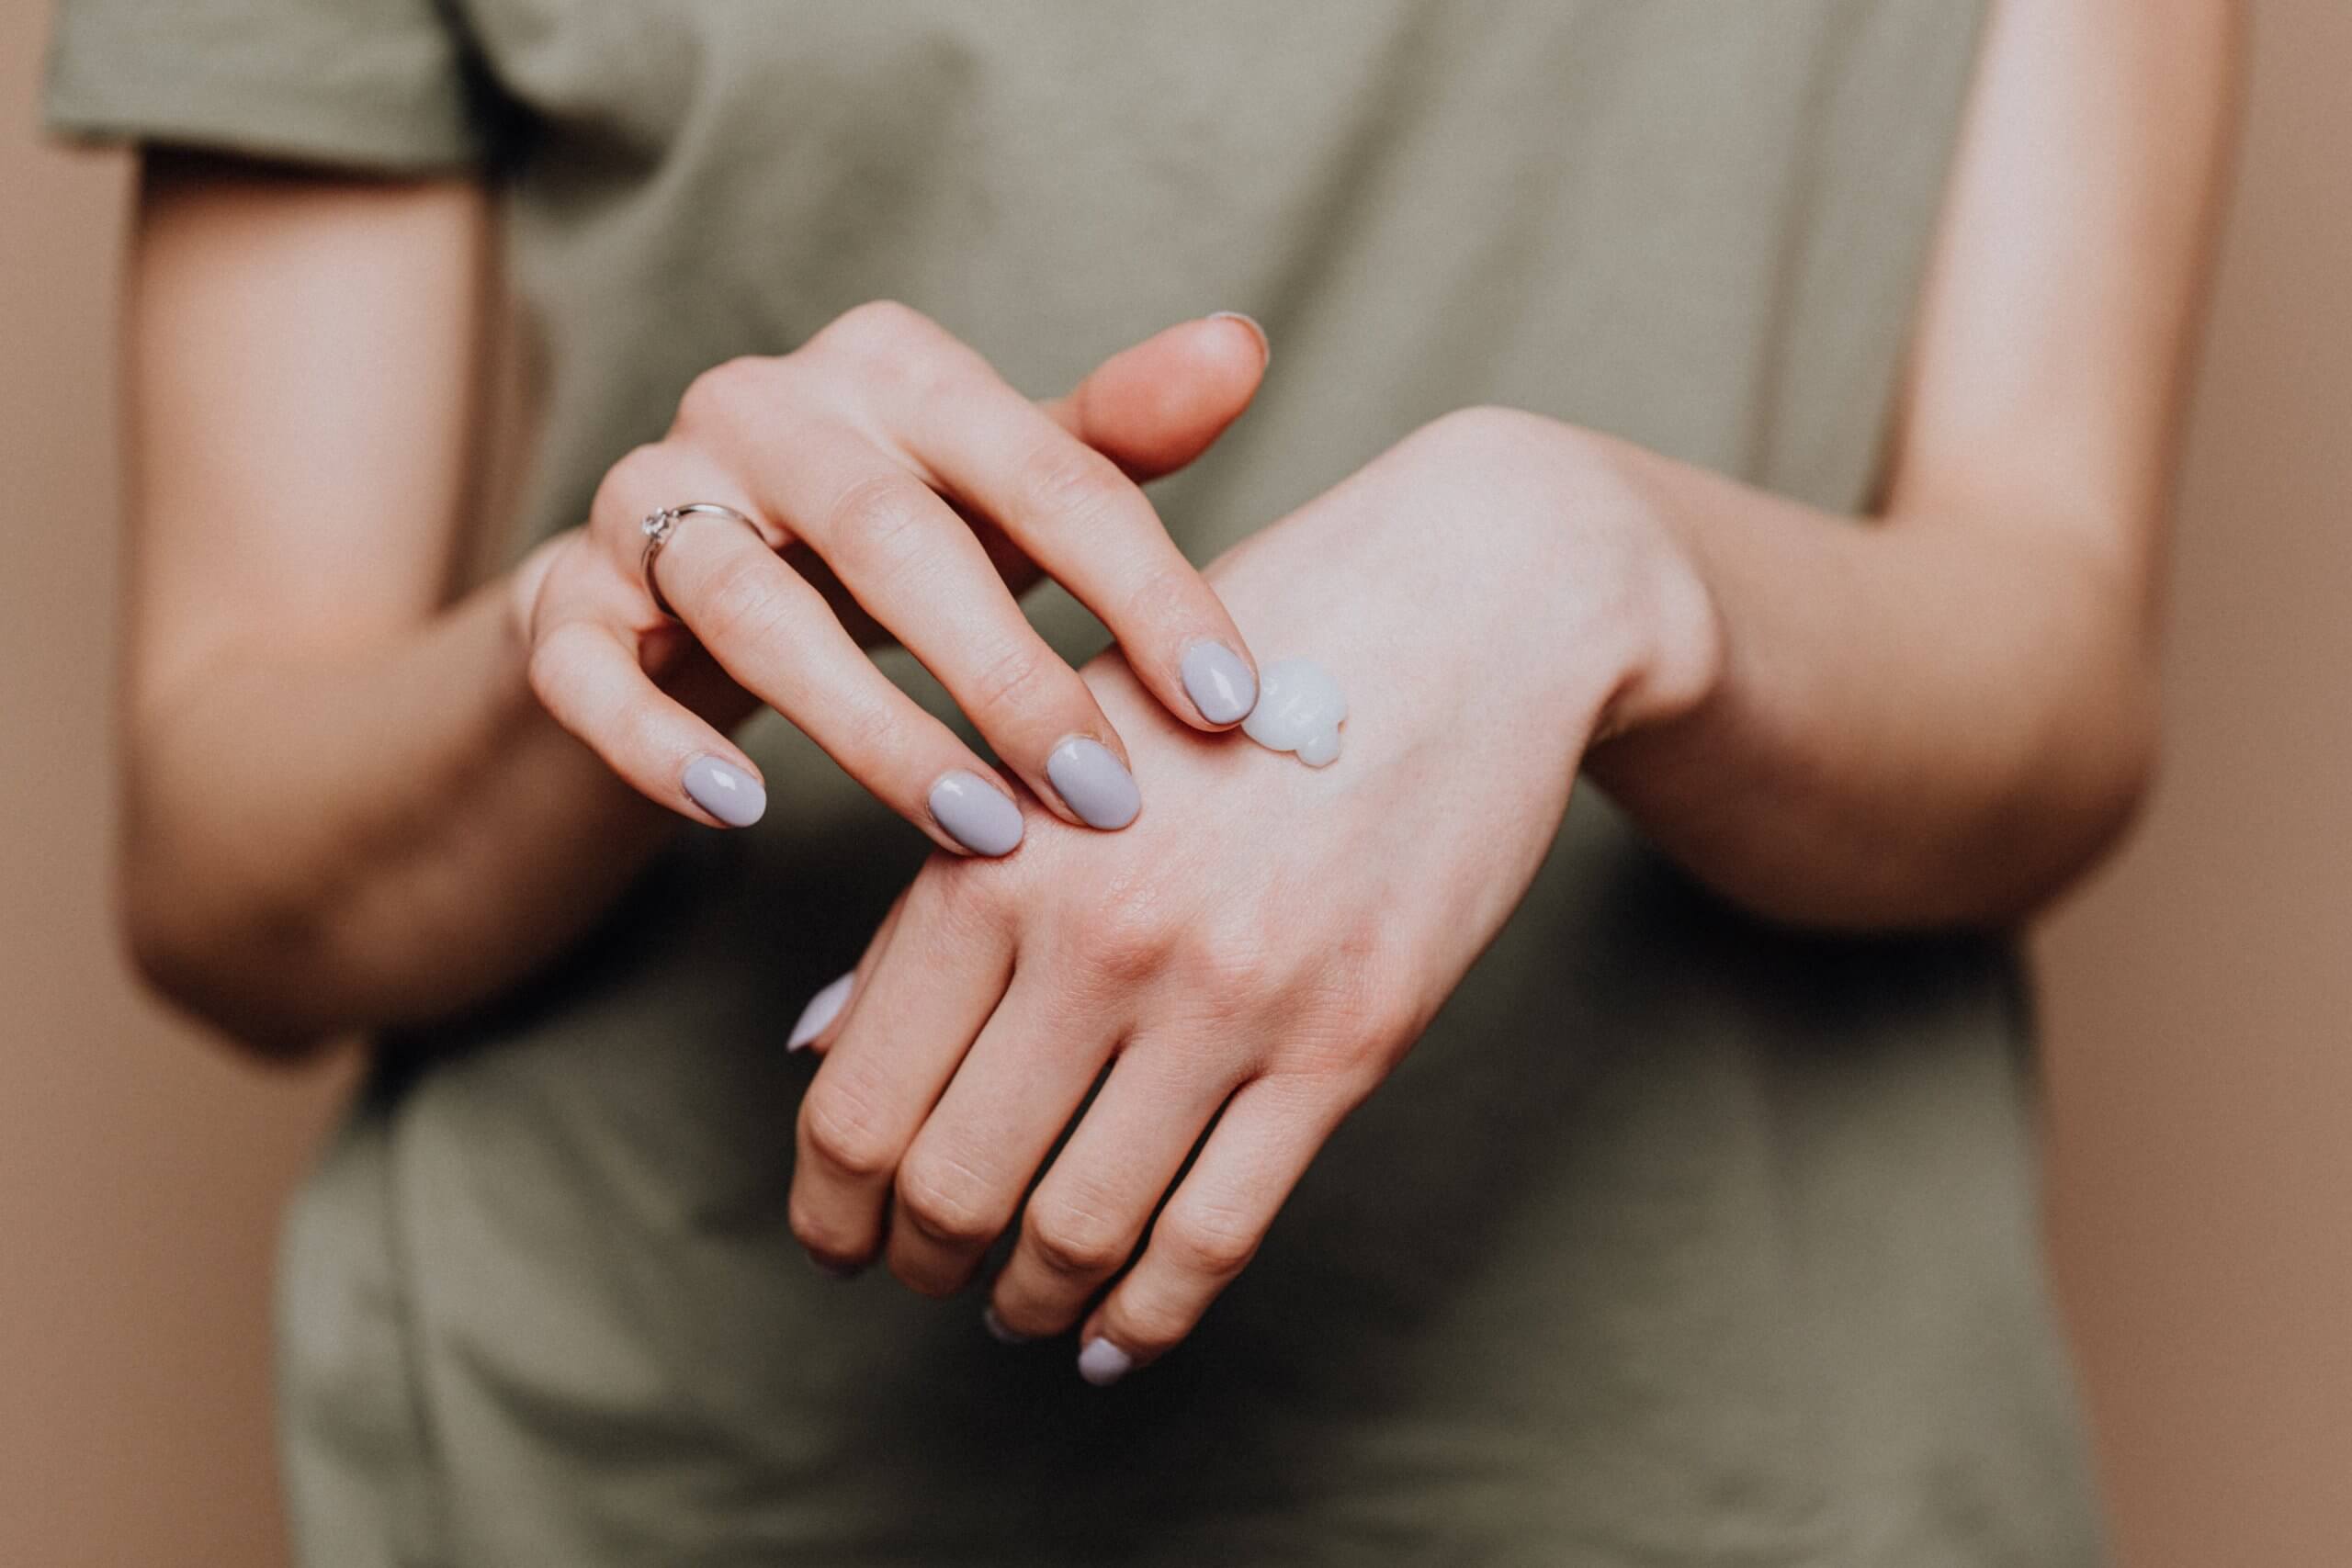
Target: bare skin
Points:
(346, 806)
(346, 802)
(1937, 720)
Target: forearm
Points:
(1917, 720)
(315, 843)
(1942, 715)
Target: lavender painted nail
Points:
(1103, 1363)
(1219, 682)
(726, 791)
(822, 1008)
(999, 1332)
(975, 814)
(1093, 783)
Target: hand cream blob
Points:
(1299, 710)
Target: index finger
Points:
(1090, 528)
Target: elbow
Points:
(2000, 853)
(2129, 778)
(2104, 821)
(234, 972)
(2067, 817)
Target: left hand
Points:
(1265, 943)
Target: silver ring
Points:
(657, 529)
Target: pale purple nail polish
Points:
(726, 791)
(1219, 682)
(822, 1008)
(975, 814)
(999, 1332)
(1103, 1363)
(1093, 783)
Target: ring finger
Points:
(918, 569)
(1212, 1225)
(776, 634)
(1088, 1215)
(961, 1182)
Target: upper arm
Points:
(2053, 343)
(304, 355)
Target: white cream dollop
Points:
(1299, 710)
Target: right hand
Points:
(861, 446)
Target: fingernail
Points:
(838, 1270)
(822, 1008)
(1103, 1363)
(975, 814)
(1093, 782)
(1219, 682)
(1266, 344)
(999, 1332)
(726, 791)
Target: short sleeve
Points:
(388, 84)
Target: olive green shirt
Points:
(1678, 1240)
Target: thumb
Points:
(1155, 406)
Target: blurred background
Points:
(2198, 995)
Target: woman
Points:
(1762, 411)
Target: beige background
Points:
(2198, 995)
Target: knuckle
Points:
(1150, 1326)
(1225, 959)
(737, 601)
(550, 661)
(729, 392)
(876, 523)
(880, 336)
(844, 1130)
(1075, 1242)
(1482, 427)
(1390, 1011)
(1006, 675)
(946, 1201)
(925, 1275)
(1336, 1068)
(870, 730)
(830, 1236)
(1346, 1038)
(621, 494)
(1152, 1332)
(1370, 988)
(1214, 1243)
(907, 358)
(1127, 938)
(886, 321)
(972, 895)
(1169, 592)
(1075, 484)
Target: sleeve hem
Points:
(375, 88)
(339, 139)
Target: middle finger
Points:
(962, 1179)
(918, 569)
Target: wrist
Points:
(1596, 560)
(1668, 640)
(1494, 567)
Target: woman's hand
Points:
(1262, 948)
(861, 446)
